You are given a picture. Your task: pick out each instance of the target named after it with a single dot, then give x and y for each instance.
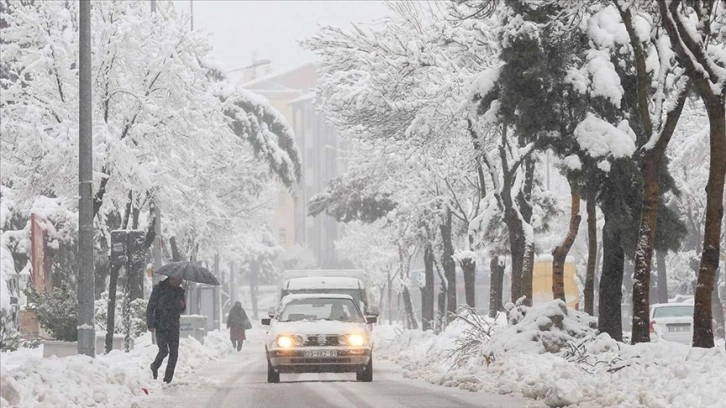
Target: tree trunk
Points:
(559, 254)
(611, 280)
(441, 300)
(717, 310)
(254, 282)
(175, 255)
(389, 296)
(591, 255)
(662, 287)
(447, 261)
(702, 316)
(689, 47)
(496, 289)
(411, 322)
(427, 292)
(653, 292)
(644, 249)
(524, 202)
(468, 267)
(111, 308)
(516, 248)
(527, 271)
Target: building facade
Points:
(323, 155)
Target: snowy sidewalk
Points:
(116, 379)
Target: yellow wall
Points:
(542, 283)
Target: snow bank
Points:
(549, 327)
(588, 371)
(116, 379)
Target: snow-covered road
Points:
(239, 379)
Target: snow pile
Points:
(549, 327)
(116, 379)
(588, 370)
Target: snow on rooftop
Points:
(305, 97)
(274, 75)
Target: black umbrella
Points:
(189, 271)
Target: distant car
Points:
(671, 322)
(342, 285)
(319, 333)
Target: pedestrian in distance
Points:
(166, 304)
(237, 323)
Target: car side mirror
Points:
(266, 321)
(371, 319)
(271, 312)
(373, 310)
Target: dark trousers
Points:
(237, 344)
(168, 342)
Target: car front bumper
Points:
(296, 360)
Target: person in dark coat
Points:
(166, 304)
(237, 323)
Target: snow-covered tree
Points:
(697, 32)
(168, 130)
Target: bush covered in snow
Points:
(137, 319)
(549, 327)
(56, 311)
(9, 336)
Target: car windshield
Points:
(356, 294)
(673, 311)
(336, 309)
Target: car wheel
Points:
(367, 374)
(272, 375)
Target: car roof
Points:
(321, 282)
(659, 305)
(296, 296)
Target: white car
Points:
(319, 333)
(671, 322)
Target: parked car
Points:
(319, 333)
(671, 322)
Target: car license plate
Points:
(679, 328)
(320, 353)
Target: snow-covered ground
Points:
(548, 353)
(580, 369)
(116, 379)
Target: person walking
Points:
(166, 304)
(237, 323)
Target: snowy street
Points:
(370, 204)
(239, 380)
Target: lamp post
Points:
(86, 277)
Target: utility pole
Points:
(86, 276)
(155, 215)
(191, 12)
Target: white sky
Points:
(272, 28)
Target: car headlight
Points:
(287, 341)
(355, 340)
